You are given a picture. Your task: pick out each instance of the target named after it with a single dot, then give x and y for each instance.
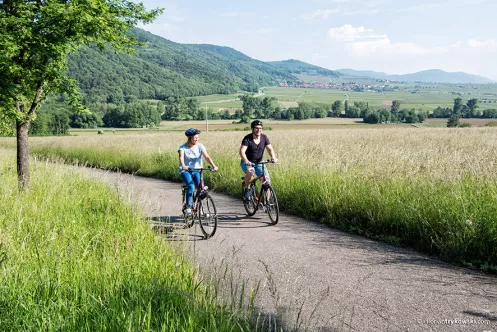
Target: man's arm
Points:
(270, 150)
(243, 149)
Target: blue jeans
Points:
(191, 180)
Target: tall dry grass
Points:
(433, 189)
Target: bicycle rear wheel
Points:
(250, 205)
(271, 205)
(207, 216)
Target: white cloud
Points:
(418, 8)
(385, 46)
(481, 43)
(348, 33)
(361, 42)
(321, 14)
(361, 12)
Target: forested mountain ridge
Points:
(164, 68)
(298, 67)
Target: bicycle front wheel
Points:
(271, 205)
(207, 216)
(250, 205)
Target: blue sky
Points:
(392, 36)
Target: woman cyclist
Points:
(190, 156)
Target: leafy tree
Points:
(320, 111)
(266, 106)
(412, 117)
(489, 113)
(472, 105)
(85, 120)
(49, 123)
(238, 114)
(353, 112)
(458, 106)
(36, 36)
(371, 116)
(337, 108)
(385, 115)
(395, 106)
(135, 115)
(225, 115)
(440, 112)
(362, 106)
(453, 121)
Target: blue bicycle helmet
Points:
(192, 132)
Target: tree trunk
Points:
(23, 156)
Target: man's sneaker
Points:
(188, 212)
(246, 194)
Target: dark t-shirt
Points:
(254, 151)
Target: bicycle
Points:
(266, 197)
(203, 208)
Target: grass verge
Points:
(74, 257)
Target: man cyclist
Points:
(252, 151)
(190, 156)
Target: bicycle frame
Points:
(199, 189)
(263, 179)
(266, 196)
(203, 208)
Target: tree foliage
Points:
(164, 68)
(453, 121)
(35, 39)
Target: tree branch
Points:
(36, 100)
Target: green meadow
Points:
(423, 95)
(75, 257)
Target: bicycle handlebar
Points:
(269, 161)
(201, 169)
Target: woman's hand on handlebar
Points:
(185, 168)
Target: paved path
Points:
(316, 277)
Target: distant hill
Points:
(299, 67)
(432, 75)
(164, 68)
